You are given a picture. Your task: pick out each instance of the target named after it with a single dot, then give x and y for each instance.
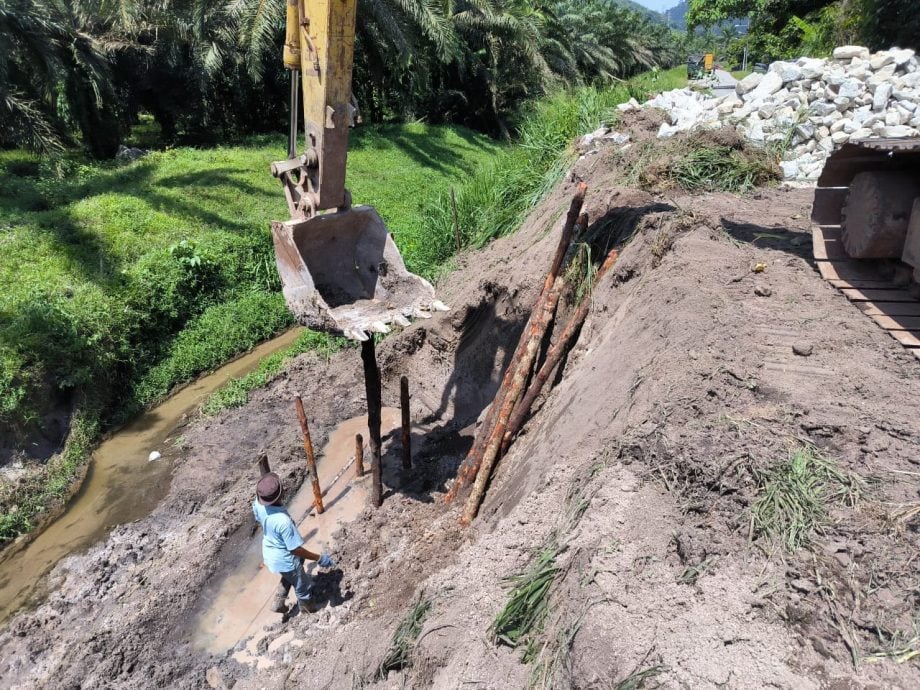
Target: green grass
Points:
(23, 503)
(522, 618)
(104, 268)
(637, 680)
(741, 74)
(648, 84)
(235, 393)
(794, 496)
(495, 201)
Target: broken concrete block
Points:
(787, 71)
(850, 52)
(790, 169)
(748, 84)
(893, 118)
(896, 131)
(850, 88)
(812, 68)
(882, 94)
(901, 56)
(770, 84)
(881, 60)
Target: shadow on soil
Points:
(778, 238)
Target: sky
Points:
(658, 5)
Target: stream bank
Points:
(120, 484)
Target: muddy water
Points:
(120, 485)
(238, 605)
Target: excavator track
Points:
(877, 287)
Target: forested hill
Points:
(676, 17)
(636, 7)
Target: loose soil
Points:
(641, 464)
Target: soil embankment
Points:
(687, 389)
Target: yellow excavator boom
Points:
(340, 270)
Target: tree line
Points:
(786, 29)
(82, 71)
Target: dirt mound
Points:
(698, 388)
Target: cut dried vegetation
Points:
(794, 496)
(704, 162)
(900, 647)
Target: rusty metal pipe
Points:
(264, 467)
(406, 423)
(473, 460)
(490, 454)
(553, 357)
(359, 455)
(311, 458)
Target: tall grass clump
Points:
(495, 201)
(399, 654)
(20, 505)
(523, 617)
(794, 496)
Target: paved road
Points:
(726, 82)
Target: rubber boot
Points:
(307, 606)
(278, 604)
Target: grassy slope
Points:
(653, 82)
(77, 234)
(103, 238)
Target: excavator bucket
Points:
(339, 268)
(341, 272)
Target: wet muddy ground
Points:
(684, 392)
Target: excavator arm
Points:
(340, 269)
(319, 47)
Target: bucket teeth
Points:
(419, 314)
(355, 334)
(378, 327)
(402, 321)
(438, 305)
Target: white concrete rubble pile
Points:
(809, 107)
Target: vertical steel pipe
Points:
(264, 467)
(374, 404)
(406, 423)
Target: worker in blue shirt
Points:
(282, 545)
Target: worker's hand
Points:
(325, 561)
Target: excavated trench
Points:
(237, 598)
